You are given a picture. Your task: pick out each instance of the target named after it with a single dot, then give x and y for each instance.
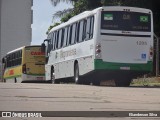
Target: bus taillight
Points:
(151, 53)
(24, 68)
(98, 51)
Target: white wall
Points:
(16, 20)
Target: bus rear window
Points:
(34, 54)
(127, 21)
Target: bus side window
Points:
(20, 53)
(52, 40)
(8, 61)
(80, 31)
(62, 40)
(89, 27)
(69, 35)
(20, 57)
(59, 38)
(15, 60)
(12, 63)
(4, 62)
(49, 45)
(84, 29)
(65, 36)
(56, 44)
(92, 27)
(74, 30)
(55, 40)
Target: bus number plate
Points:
(125, 68)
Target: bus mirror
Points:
(43, 47)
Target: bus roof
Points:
(75, 18)
(89, 13)
(20, 48)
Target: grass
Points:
(152, 81)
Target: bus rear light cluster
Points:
(98, 46)
(98, 50)
(151, 53)
(24, 68)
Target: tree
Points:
(56, 2)
(61, 13)
(83, 5)
(50, 27)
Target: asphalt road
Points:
(71, 97)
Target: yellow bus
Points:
(24, 64)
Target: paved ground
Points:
(70, 97)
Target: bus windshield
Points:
(126, 21)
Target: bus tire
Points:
(76, 74)
(53, 80)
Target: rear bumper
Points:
(101, 65)
(27, 77)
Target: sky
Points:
(42, 18)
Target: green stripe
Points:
(99, 64)
(15, 76)
(36, 74)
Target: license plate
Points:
(125, 68)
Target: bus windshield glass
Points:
(125, 21)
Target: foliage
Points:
(83, 5)
(50, 27)
(112, 2)
(62, 13)
(67, 17)
(56, 2)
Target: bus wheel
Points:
(53, 80)
(76, 74)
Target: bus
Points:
(107, 43)
(24, 64)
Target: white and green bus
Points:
(106, 43)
